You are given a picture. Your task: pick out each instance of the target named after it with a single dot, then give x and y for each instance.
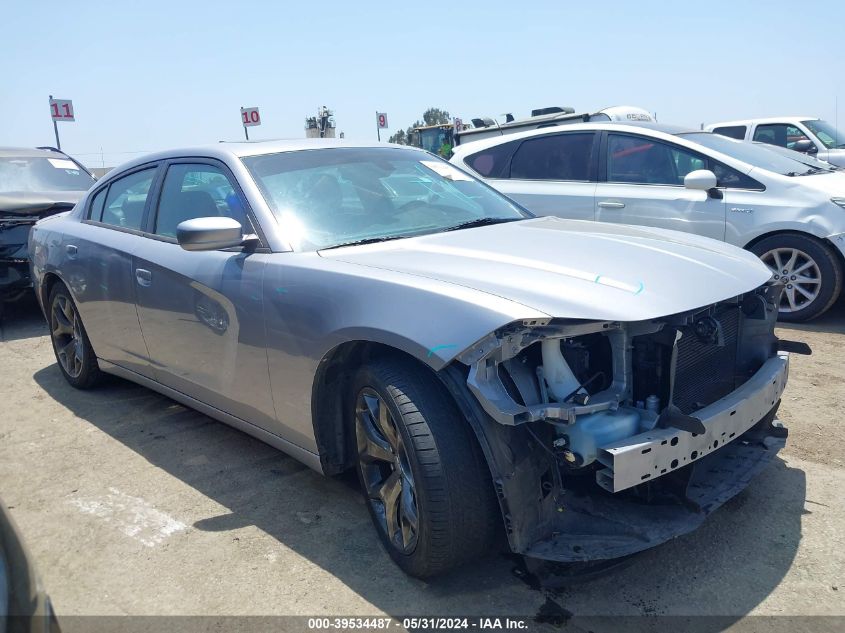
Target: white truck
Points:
(809, 135)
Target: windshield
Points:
(756, 154)
(27, 173)
(330, 197)
(826, 133)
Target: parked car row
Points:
(587, 389)
(784, 206)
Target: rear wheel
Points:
(809, 269)
(424, 478)
(70, 342)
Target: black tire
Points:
(458, 517)
(824, 276)
(74, 354)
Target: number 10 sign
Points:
(250, 117)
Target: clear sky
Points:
(148, 75)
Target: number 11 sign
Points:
(60, 110)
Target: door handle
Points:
(611, 204)
(143, 277)
(71, 250)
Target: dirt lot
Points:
(132, 504)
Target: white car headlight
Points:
(839, 201)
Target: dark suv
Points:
(34, 183)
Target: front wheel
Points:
(70, 341)
(809, 269)
(422, 472)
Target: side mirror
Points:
(805, 146)
(702, 179)
(209, 234)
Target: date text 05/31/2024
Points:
(417, 623)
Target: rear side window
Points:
(731, 131)
(126, 199)
(558, 157)
(95, 212)
(640, 160)
(493, 162)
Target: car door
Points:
(201, 312)
(98, 267)
(552, 174)
(642, 182)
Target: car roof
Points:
(28, 152)
(667, 128)
(257, 148)
(239, 149)
(775, 119)
(630, 126)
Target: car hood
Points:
(830, 185)
(37, 203)
(574, 269)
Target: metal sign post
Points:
(56, 130)
(60, 110)
(249, 117)
(381, 123)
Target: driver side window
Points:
(197, 191)
(780, 134)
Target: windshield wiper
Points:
(480, 222)
(810, 172)
(366, 240)
(386, 238)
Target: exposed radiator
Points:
(705, 371)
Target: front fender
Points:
(314, 305)
(819, 225)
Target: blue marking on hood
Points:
(438, 348)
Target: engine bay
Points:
(587, 390)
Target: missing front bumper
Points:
(590, 527)
(654, 453)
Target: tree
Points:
(432, 116)
(436, 116)
(400, 137)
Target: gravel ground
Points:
(133, 504)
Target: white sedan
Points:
(785, 207)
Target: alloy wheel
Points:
(67, 335)
(386, 471)
(800, 274)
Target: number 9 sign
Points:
(250, 117)
(381, 119)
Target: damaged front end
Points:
(607, 438)
(17, 217)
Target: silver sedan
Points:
(579, 387)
